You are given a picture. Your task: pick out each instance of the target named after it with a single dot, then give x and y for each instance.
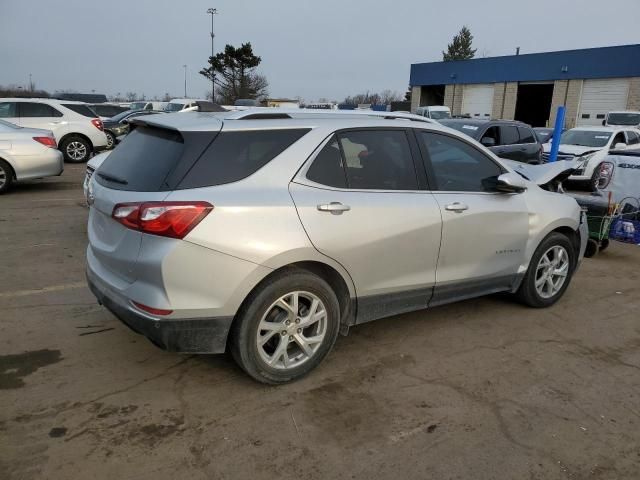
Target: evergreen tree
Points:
(460, 48)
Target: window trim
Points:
(301, 175)
(429, 167)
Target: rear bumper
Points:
(198, 335)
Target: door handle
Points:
(456, 207)
(336, 208)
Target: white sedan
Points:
(26, 154)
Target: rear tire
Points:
(549, 273)
(6, 176)
(75, 149)
(286, 327)
(111, 140)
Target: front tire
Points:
(6, 176)
(286, 327)
(549, 273)
(75, 149)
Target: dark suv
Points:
(507, 139)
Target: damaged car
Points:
(268, 235)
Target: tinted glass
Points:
(624, 119)
(440, 114)
(327, 168)
(236, 155)
(173, 107)
(83, 110)
(8, 110)
(491, 133)
(470, 128)
(509, 135)
(526, 135)
(378, 160)
(142, 161)
(32, 110)
(585, 138)
(633, 138)
(619, 138)
(107, 110)
(457, 166)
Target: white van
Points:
(179, 104)
(434, 112)
(157, 106)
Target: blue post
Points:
(557, 133)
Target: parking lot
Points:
(480, 389)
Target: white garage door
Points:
(600, 97)
(477, 101)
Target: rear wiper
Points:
(111, 178)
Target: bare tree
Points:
(131, 96)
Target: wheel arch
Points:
(8, 162)
(76, 134)
(328, 273)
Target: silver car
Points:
(26, 154)
(268, 234)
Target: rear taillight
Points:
(46, 141)
(98, 124)
(605, 173)
(166, 219)
(152, 310)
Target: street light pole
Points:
(212, 12)
(185, 80)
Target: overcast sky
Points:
(312, 49)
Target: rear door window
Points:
(328, 168)
(142, 161)
(234, 156)
(526, 135)
(632, 138)
(378, 160)
(37, 110)
(83, 110)
(509, 135)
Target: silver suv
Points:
(268, 234)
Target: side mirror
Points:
(604, 123)
(620, 146)
(488, 142)
(506, 183)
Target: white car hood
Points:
(577, 150)
(545, 173)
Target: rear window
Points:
(83, 110)
(526, 135)
(234, 156)
(142, 161)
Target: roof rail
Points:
(278, 113)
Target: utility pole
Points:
(30, 84)
(212, 12)
(185, 80)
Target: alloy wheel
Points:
(110, 141)
(292, 330)
(3, 177)
(76, 150)
(552, 271)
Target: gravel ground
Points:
(483, 389)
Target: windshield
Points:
(440, 114)
(173, 107)
(468, 128)
(586, 138)
(624, 119)
(137, 105)
(121, 116)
